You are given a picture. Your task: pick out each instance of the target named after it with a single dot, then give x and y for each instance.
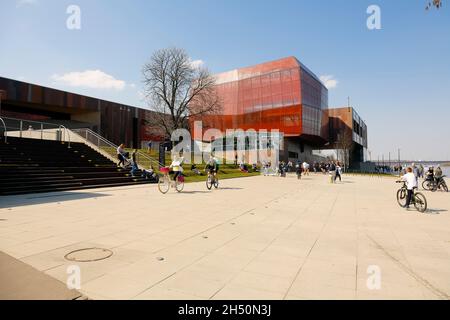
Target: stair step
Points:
(45, 190)
(36, 166)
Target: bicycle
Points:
(418, 199)
(439, 184)
(165, 182)
(212, 180)
(428, 183)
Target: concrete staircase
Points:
(35, 166)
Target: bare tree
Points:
(434, 3)
(344, 145)
(177, 90)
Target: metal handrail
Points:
(97, 136)
(112, 145)
(33, 121)
(6, 130)
(55, 126)
(68, 134)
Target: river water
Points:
(446, 171)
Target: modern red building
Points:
(116, 122)
(279, 95)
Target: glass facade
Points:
(282, 95)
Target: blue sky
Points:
(398, 77)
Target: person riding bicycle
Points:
(177, 167)
(430, 174)
(411, 184)
(212, 166)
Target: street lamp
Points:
(2, 92)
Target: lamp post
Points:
(3, 93)
(1, 97)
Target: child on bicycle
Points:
(411, 184)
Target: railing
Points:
(35, 130)
(110, 149)
(6, 130)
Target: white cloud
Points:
(23, 3)
(94, 79)
(197, 64)
(329, 81)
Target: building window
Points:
(293, 155)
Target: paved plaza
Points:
(255, 238)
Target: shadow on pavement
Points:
(22, 282)
(33, 199)
(436, 211)
(195, 192)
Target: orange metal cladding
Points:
(266, 96)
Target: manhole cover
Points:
(89, 255)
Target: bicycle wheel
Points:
(164, 184)
(420, 202)
(179, 185)
(209, 182)
(216, 183)
(426, 185)
(401, 197)
(434, 187)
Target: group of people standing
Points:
(333, 168)
(412, 175)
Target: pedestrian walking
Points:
(332, 171)
(121, 154)
(338, 172)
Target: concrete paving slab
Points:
(256, 238)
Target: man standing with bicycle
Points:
(411, 183)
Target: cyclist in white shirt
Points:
(177, 166)
(411, 183)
